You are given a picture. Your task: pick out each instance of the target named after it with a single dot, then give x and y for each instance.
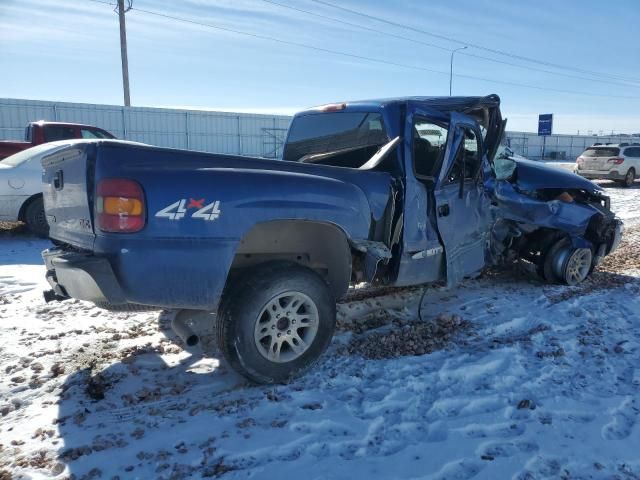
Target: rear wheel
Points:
(275, 321)
(35, 218)
(629, 178)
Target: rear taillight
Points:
(120, 205)
(579, 160)
(616, 161)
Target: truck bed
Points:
(197, 209)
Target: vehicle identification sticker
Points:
(179, 209)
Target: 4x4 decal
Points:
(178, 210)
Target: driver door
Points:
(462, 210)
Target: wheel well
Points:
(23, 208)
(320, 246)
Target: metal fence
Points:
(558, 147)
(234, 133)
(218, 132)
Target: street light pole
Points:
(451, 68)
(123, 52)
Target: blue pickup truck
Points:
(395, 192)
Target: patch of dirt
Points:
(96, 386)
(408, 340)
(626, 257)
(217, 468)
(358, 294)
(13, 228)
(371, 321)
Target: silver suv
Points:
(620, 162)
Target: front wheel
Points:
(275, 321)
(566, 264)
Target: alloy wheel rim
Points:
(286, 327)
(578, 266)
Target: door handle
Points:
(58, 180)
(443, 210)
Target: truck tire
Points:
(548, 243)
(275, 321)
(36, 219)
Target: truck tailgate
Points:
(68, 195)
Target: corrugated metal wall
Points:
(219, 132)
(235, 133)
(558, 147)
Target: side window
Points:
(632, 152)
(54, 132)
(467, 160)
(344, 139)
(90, 133)
(429, 143)
(85, 133)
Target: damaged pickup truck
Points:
(399, 192)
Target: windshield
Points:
(601, 152)
(346, 139)
(24, 155)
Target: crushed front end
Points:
(557, 223)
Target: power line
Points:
(440, 47)
(362, 57)
(479, 47)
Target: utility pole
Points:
(123, 52)
(451, 68)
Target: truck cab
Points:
(44, 131)
(438, 166)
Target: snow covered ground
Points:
(504, 378)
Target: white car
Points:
(21, 185)
(620, 162)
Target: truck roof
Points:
(445, 104)
(47, 122)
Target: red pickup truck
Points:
(43, 132)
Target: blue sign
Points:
(545, 123)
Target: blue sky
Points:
(68, 50)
